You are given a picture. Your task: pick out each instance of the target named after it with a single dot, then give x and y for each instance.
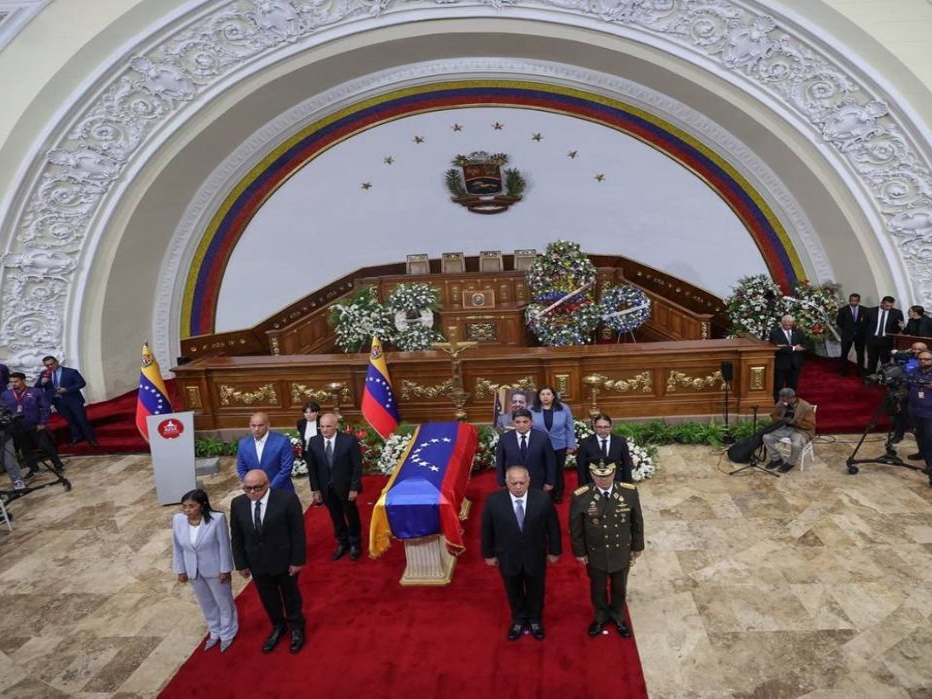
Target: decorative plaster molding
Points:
(114, 125)
(16, 14)
(208, 198)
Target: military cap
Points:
(601, 468)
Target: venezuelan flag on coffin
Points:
(424, 495)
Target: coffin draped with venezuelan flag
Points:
(424, 495)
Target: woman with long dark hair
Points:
(202, 556)
(555, 418)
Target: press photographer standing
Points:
(31, 416)
(920, 406)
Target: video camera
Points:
(7, 417)
(891, 375)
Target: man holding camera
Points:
(798, 418)
(919, 382)
(30, 419)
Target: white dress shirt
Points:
(515, 501)
(260, 445)
(310, 430)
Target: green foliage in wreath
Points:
(359, 317)
(413, 298)
(562, 268)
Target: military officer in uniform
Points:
(607, 533)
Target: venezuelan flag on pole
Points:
(426, 491)
(379, 406)
(152, 398)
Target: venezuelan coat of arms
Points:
(481, 182)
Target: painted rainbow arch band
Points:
(206, 273)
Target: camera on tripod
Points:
(891, 375)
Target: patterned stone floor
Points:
(816, 584)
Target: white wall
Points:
(321, 224)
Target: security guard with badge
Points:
(607, 533)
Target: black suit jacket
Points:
(786, 358)
(515, 549)
(346, 472)
(541, 462)
(302, 423)
(849, 328)
(590, 452)
(894, 317)
(281, 542)
(920, 327)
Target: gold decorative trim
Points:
(276, 348)
(412, 388)
(696, 383)
(643, 382)
(482, 332)
(758, 376)
(484, 387)
(300, 392)
(562, 383)
(231, 394)
(705, 329)
(194, 397)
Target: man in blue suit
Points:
(62, 386)
(529, 448)
(265, 450)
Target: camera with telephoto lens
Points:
(891, 375)
(7, 417)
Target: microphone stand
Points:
(754, 463)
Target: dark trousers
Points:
(281, 599)
(784, 378)
(525, 597)
(901, 420)
(28, 440)
(345, 518)
(600, 583)
(878, 348)
(924, 438)
(846, 343)
(76, 417)
(559, 484)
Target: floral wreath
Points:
(358, 318)
(556, 318)
(624, 308)
(414, 306)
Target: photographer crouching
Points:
(919, 383)
(798, 418)
(30, 420)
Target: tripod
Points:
(889, 456)
(8, 451)
(756, 455)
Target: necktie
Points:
(789, 337)
(258, 518)
(519, 514)
(604, 447)
(328, 452)
(854, 313)
(882, 325)
(606, 494)
(523, 447)
(55, 378)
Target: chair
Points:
(807, 450)
(417, 264)
(490, 261)
(524, 259)
(452, 263)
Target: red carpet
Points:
(846, 405)
(368, 636)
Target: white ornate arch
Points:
(106, 133)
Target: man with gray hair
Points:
(791, 347)
(798, 418)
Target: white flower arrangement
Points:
(756, 306)
(817, 308)
(416, 337)
(644, 466)
(413, 298)
(391, 451)
(358, 318)
(299, 466)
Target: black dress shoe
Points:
(537, 631)
(786, 467)
(31, 473)
(338, 553)
(273, 639)
(595, 628)
(622, 629)
(896, 439)
(774, 464)
(353, 553)
(915, 457)
(297, 640)
(514, 633)
(558, 501)
(94, 443)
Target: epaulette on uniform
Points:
(630, 486)
(580, 490)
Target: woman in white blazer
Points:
(202, 556)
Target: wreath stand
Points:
(630, 335)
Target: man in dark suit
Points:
(883, 322)
(852, 322)
(62, 386)
(602, 446)
(788, 359)
(529, 448)
(334, 467)
(266, 450)
(267, 538)
(919, 324)
(520, 535)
